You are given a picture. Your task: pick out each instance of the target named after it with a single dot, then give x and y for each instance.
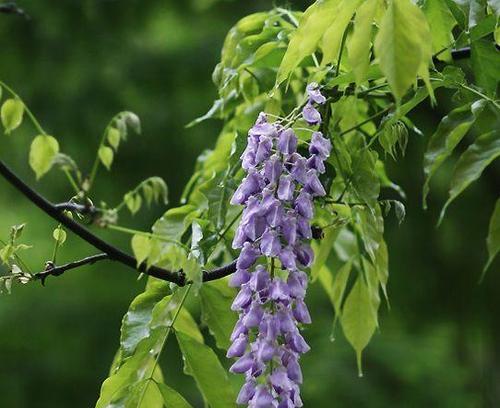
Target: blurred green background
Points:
(77, 63)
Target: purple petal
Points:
(287, 258)
(314, 93)
(311, 114)
(286, 188)
(270, 244)
(313, 184)
(247, 256)
(273, 169)
(320, 145)
(262, 398)
(238, 347)
(303, 205)
(246, 392)
(243, 364)
(301, 313)
(287, 143)
(238, 278)
(305, 254)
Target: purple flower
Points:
(287, 143)
(243, 364)
(262, 398)
(311, 114)
(277, 194)
(246, 392)
(320, 146)
(238, 347)
(314, 93)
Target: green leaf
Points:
(59, 235)
(12, 114)
(133, 201)
(471, 164)
(358, 319)
(332, 38)
(449, 133)
(113, 137)
(441, 22)
(216, 300)
(174, 222)
(313, 24)
(171, 398)
(493, 239)
(141, 247)
(211, 378)
(43, 152)
(360, 41)
(106, 156)
(403, 45)
(485, 60)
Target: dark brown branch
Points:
(112, 252)
(53, 270)
(78, 208)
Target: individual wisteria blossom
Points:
(277, 194)
(309, 112)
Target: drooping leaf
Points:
(135, 323)
(322, 250)
(449, 133)
(12, 114)
(106, 156)
(358, 319)
(441, 22)
(172, 398)
(174, 222)
(113, 136)
(360, 42)
(339, 286)
(216, 299)
(493, 239)
(471, 164)
(313, 24)
(43, 151)
(141, 247)
(211, 378)
(403, 45)
(333, 35)
(485, 60)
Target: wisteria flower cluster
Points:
(277, 194)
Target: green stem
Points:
(374, 116)
(146, 234)
(36, 124)
(56, 245)
(164, 341)
(341, 51)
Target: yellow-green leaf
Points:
(114, 137)
(449, 133)
(313, 24)
(172, 398)
(59, 235)
(141, 247)
(106, 156)
(12, 114)
(202, 363)
(403, 45)
(43, 151)
(358, 319)
(333, 35)
(360, 42)
(216, 299)
(441, 22)
(471, 164)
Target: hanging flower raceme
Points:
(277, 194)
